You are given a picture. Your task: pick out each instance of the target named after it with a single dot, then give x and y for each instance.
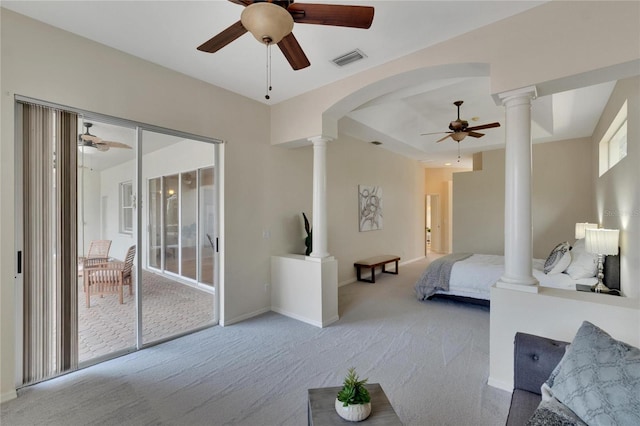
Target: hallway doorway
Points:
(433, 223)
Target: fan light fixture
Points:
(458, 136)
(87, 149)
(267, 22)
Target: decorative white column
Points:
(319, 226)
(518, 239)
(306, 287)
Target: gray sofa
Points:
(535, 358)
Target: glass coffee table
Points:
(321, 408)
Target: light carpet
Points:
(431, 358)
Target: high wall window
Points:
(126, 208)
(613, 146)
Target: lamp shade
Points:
(87, 149)
(458, 136)
(580, 228)
(602, 241)
(268, 23)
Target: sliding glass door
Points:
(180, 223)
(117, 231)
(106, 233)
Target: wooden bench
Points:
(374, 261)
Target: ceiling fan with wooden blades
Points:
(271, 22)
(87, 140)
(460, 128)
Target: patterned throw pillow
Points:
(599, 378)
(558, 259)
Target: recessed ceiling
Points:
(168, 32)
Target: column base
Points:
(529, 287)
(318, 256)
(312, 258)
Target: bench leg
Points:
(359, 274)
(390, 272)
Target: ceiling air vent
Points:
(347, 58)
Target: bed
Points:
(469, 277)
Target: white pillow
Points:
(562, 264)
(558, 260)
(583, 264)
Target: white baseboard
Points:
(244, 317)
(8, 396)
(411, 260)
(297, 317)
(499, 384)
(349, 281)
(330, 321)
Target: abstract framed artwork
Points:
(370, 205)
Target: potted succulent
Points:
(353, 402)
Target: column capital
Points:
(525, 93)
(319, 140)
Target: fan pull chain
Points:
(268, 71)
(458, 151)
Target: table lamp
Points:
(602, 242)
(581, 227)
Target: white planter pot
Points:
(353, 413)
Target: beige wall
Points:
(42, 62)
(617, 192)
(562, 195)
(352, 162)
(478, 207)
(265, 187)
(436, 181)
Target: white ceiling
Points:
(168, 32)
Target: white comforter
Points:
(474, 276)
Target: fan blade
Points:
(112, 144)
(332, 14)
(483, 126)
(434, 133)
(440, 140)
(222, 39)
(242, 2)
(293, 52)
(475, 134)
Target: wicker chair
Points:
(110, 278)
(98, 253)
